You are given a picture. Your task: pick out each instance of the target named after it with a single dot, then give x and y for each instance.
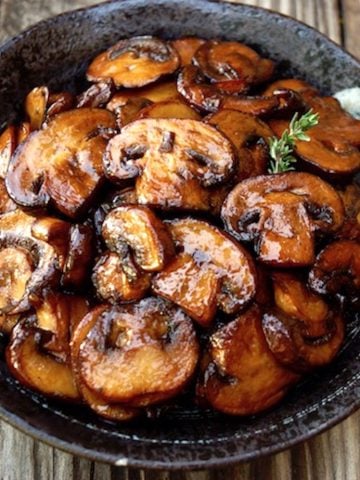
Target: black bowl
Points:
(56, 52)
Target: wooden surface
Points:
(334, 455)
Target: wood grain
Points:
(334, 455)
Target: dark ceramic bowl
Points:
(56, 52)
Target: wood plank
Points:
(351, 19)
(332, 455)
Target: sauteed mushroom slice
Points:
(129, 110)
(158, 92)
(333, 147)
(8, 143)
(175, 161)
(29, 264)
(6, 203)
(35, 106)
(194, 288)
(137, 228)
(285, 338)
(113, 284)
(55, 232)
(113, 411)
(281, 213)
(186, 48)
(221, 268)
(293, 297)
(61, 164)
(249, 136)
(38, 357)
(134, 62)
(137, 354)
(169, 109)
(221, 61)
(337, 271)
(192, 86)
(96, 95)
(294, 84)
(243, 377)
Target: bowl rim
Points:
(51, 439)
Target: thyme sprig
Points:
(281, 149)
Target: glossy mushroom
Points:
(134, 62)
(212, 270)
(174, 161)
(281, 214)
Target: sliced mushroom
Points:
(41, 364)
(79, 258)
(175, 161)
(281, 213)
(113, 284)
(8, 143)
(6, 203)
(294, 298)
(337, 271)
(137, 228)
(136, 354)
(169, 109)
(97, 95)
(211, 263)
(285, 338)
(221, 61)
(242, 377)
(293, 84)
(129, 110)
(58, 103)
(35, 106)
(62, 163)
(249, 136)
(186, 48)
(158, 92)
(333, 147)
(134, 62)
(192, 86)
(28, 264)
(115, 412)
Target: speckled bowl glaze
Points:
(56, 52)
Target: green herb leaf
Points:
(281, 149)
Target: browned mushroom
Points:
(99, 405)
(136, 354)
(6, 203)
(134, 62)
(137, 228)
(293, 297)
(112, 282)
(175, 161)
(27, 263)
(281, 213)
(158, 92)
(62, 163)
(39, 357)
(286, 340)
(186, 48)
(8, 143)
(212, 270)
(192, 85)
(96, 95)
(249, 136)
(128, 110)
(337, 271)
(294, 84)
(35, 106)
(58, 103)
(333, 147)
(169, 109)
(241, 376)
(221, 61)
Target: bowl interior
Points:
(56, 52)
